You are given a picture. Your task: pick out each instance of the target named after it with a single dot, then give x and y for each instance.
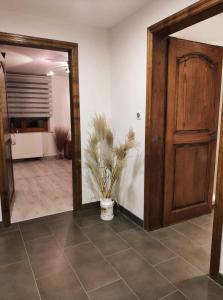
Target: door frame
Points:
(157, 53)
(72, 50)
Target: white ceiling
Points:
(209, 31)
(99, 13)
(34, 61)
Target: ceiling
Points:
(34, 61)
(208, 31)
(99, 13)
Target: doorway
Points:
(71, 51)
(192, 113)
(156, 122)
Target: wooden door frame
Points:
(157, 51)
(72, 50)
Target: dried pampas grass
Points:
(104, 160)
(61, 135)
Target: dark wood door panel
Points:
(193, 96)
(191, 175)
(194, 103)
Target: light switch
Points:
(138, 115)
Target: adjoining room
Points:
(40, 127)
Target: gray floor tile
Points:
(84, 253)
(69, 235)
(11, 248)
(114, 291)
(164, 233)
(201, 288)
(46, 246)
(61, 286)
(34, 229)
(98, 231)
(143, 279)
(133, 234)
(175, 296)
(96, 274)
(121, 223)
(191, 251)
(44, 266)
(111, 245)
(148, 284)
(127, 261)
(152, 250)
(90, 266)
(16, 282)
(60, 218)
(194, 232)
(88, 221)
(202, 220)
(178, 270)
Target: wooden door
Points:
(6, 167)
(193, 96)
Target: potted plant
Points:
(61, 135)
(106, 161)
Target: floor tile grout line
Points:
(12, 263)
(200, 226)
(172, 293)
(68, 261)
(166, 260)
(117, 252)
(33, 274)
(170, 282)
(188, 238)
(116, 271)
(149, 264)
(104, 285)
(91, 242)
(195, 267)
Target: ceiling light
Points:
(50, 73)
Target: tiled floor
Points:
(66, 256)
(42, 187)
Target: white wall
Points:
(61, 112)
(129, 41)
(120, 52)
(94, 62)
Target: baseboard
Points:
(90, 205)
(118, 207)
(219, 278)
(130, 215)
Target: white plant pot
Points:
(107, 205)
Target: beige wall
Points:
(128, 86)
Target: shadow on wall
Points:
(126, 189)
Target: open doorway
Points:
(196, 231)
(34, 88)
(38, 97)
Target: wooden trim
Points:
(72, 49)
(155, 131)
(155, 119)
(218, 213)
(189, 16)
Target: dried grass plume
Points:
(104, 160)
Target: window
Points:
(28, 125)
